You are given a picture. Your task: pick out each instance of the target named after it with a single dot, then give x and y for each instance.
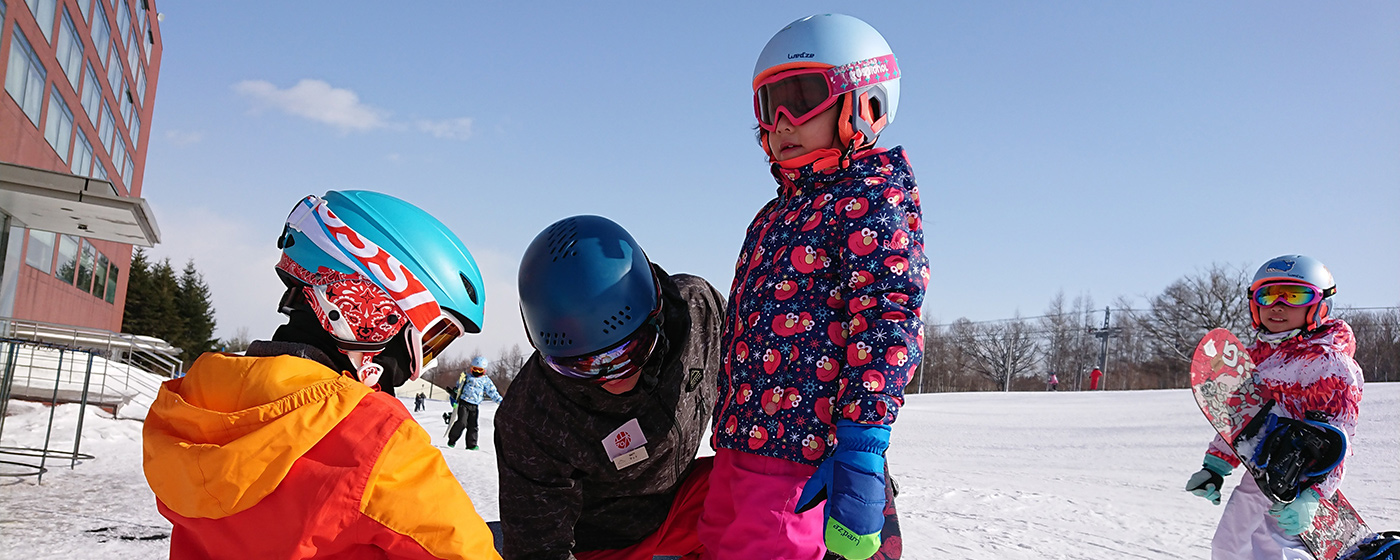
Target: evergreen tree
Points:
(196, 313)
(139, 295)
(163, 311)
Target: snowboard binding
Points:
(1386, 546)
(1290, 455)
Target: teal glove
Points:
(1208, 481)
(1296, 516)
(852, 481)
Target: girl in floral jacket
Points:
(822, 329)
(1304, 360)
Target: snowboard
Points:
(1223, 382)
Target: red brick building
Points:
(80, 83)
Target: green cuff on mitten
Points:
(1217, 465)
(848, 544)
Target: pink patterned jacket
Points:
(1310, 372)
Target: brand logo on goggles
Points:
(801, 55)
(411, 296)
(865, 72)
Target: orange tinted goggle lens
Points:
(439, 334)
(1292, 295)
(803, 94)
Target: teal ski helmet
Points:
(1294, 269)
(370, 264)
(585, 285)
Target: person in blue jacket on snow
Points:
(470, 391)
(822, 330)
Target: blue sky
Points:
(1099, 148)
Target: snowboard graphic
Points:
(1222, 380)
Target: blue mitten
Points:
(1207, 482)
(852, 481)
(1296, 516)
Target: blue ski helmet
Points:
(371, 264)
(585, 285)
(480, 362)
(1298, 269)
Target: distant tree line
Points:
(1147, 348)
(176, 309)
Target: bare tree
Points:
(1193, 305)
(1377, 341)
(1067, 351)
(238, 342)
(945, 368)
(1000, 351)
(506, 366)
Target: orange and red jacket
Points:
(282, 457)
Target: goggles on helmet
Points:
(805, 92)
(1292, 295)
(439, 334)
(619, 361)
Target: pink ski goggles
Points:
(805, 92)
(1292, 295)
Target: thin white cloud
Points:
(449, 129)
(183, 137)
(318, 101)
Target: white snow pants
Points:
(1247, 531)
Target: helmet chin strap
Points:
(366, 370)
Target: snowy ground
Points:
(982, 476)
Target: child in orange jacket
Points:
(290, 451)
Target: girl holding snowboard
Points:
(1304, 360)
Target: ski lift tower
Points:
(1103, 334)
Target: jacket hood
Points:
(222, 438)
(1335, 336)
(802, 173)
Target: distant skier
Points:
(470, 391)
(596, 441)
(1094, 377)
(1053, 383)
(823, 326)
(1304, 359)
(298, 449)
(418, 402)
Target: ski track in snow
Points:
(990, 476)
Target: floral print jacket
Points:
(823, 318)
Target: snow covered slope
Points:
(982, 476)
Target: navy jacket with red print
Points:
(823, 318)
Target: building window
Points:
(125, 99)
(67, 258)
(135, 127)
(59, 128)
(128, 167)
(133, 50)
(114, 70)
(118, 155)
(99, 171)
(92, 95)
(39, 253)
(85, 6)
(25, 78)
(124, 19)
(102, 36)
(107, 131)
(82, 155)
(141, 84)
(44, 12)
(112, 284)
(99, 279)
(70, 51)
(85, 267)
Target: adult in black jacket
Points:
(596, 441)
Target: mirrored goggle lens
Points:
(478, 370)
(622, 360)
(439, 334)
(801, 94)
(1292, 295)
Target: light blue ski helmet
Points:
(480, 362)
(1300, 269)
(331, 243)
(585, 285)
(835, 40)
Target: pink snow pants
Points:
(748, 512)
(1248, 532)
